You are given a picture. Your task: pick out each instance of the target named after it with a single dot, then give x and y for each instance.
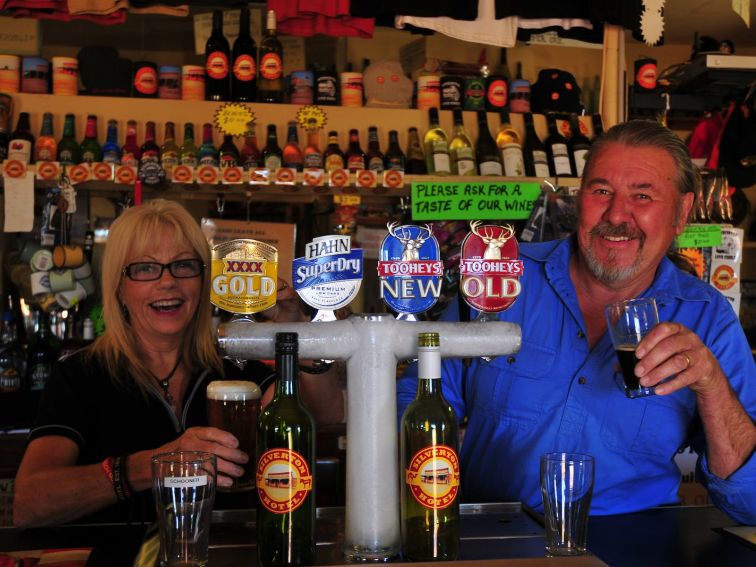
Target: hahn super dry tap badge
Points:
(410, 268)
(243, 276)
(490, 267)
(330, 274)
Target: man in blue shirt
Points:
(564, 392)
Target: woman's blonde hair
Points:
(130, 236)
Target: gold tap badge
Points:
(243, 276)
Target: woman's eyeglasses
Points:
(150, 271)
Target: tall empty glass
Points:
(628, 322)
(183, 484)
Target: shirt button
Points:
(582, 380)
(511, 360)
(581, 334)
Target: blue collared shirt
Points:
(556, 394)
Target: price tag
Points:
(234, 119)
(311, 117)
(700, 236)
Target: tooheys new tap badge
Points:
(330, 274)
(243, 276)
(490, 267)
(410, 268)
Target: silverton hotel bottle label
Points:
(410, 268)
(243, 276)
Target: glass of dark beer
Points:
(629, 321)
(233, 406)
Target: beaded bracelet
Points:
(120, 486)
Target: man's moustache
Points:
(604, 229)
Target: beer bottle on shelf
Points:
(87, 331)
(536, 159)
(436, 147)
(429, 464)
(46, 147)
(354, 156)
(42, 355)
(486, 149)
(394, 158)
(111, 151)
(286, 468)
(90, 147)
(188, 152)
(12, 363)
(292, 154)
(461, 148)
(272, 154)
(333, 158)
(22, 140)
(270, 84)
(217, 55)
(250, 154)
(244, 63)
(415, 164)
(313, 157)
(208, 153)
(579, 145)
(510, 147)
(69, 150)
(131, 152)
(149, 152)
(374, 157)
(556, 148)
(169, 151)
(229, 154)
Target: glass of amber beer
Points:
(628, 322)
(233, 406)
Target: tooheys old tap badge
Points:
(490, 267)
(329, 275)
(410, 269)
(243, 276)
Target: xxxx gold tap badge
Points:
(433, 476)
(243, 276)
(284, 480)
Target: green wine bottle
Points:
(286, 468)
(430, 465)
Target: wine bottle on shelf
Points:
(354, 156)
(91, 151)
(286, 451)
(270, 84)
(111, 151)
(22, 140)
(415, 163)
(374, 156)
(429, 464)
(497, 85)
(292, 154)
(244, 62)
(208, 153)
(461, 148)
(250, 154)
(333, 157)
(169, 151)
(312, 155)
(228, 152)
(556, 148)
(536, 158)
(272, 154)
(189, 153)
(578, 145)
(489, 162)
(436, 146)
(510, 147)
(217, 54)
(69, 150)
(46, 147)
(394, 158)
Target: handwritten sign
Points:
(700, 236)
(234, 118)
(484, 200)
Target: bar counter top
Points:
(504, 534)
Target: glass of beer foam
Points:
(233, 406)
(628, 322)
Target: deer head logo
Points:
(493, 244)
(410, 246)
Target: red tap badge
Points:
(490, 268)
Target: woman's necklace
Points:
(166, 382)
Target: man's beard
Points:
(605, 271)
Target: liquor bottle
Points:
(489, 162)
(556, 148)
(111, 151)
(250, 155)
(208, 153)
(12, 362)
(510, 147)
(313, 157)
(46, 147)
(429, 464)
(285, 468)
(394, 158)
(578, 145)
(149, 152)
(69, 150)
(292, 154)
(90, 147)
(244, 63)
(71, 341)
(461, 148)
(333, 157)
(270, 84)
(169, 151)
(598, 126)
(536, 159)
(415, 164)
(188, 151)
(217, 54)
(131, 152)
(22, 140)
(42, 355)
(374, 157)
(272, 154)
(354, 156)
(229, 153)
(436, 147)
